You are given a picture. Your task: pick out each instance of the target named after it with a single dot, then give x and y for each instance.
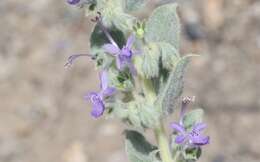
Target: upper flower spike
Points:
(73, 2)
(98, 99)
(124, 55)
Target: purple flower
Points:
(124, 55)
(193, 137)
(98, 99)
(73, 2)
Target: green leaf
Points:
(142, 115)
(117, 109)
(121, 80)
(192, 153)
(123, 21)
(110, 7)
(193, 117)
(138, 148)
(149, 116)
(164, 26)
(113, 14)
(133, 5)
(170, 56)
(150, 61)
(168, 96)
(133, 115)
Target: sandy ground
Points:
(42, 113)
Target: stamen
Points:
(72, 58)
(185, 103)
(98, 20)
(193, 133)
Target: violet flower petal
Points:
(104, 80)
(180, 139)
(98, 106)
(105, 90)
(97, 109)
(73, 2)
(199, 140)
(199, 127)
(119, 63)
(130, 41)
(126, 52)
(108, 91)
(111, 49)
(178, 128)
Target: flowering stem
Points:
(176, 156)
(163, 144)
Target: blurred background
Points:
(43, 117)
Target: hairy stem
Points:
(163, 144)
(176, 156)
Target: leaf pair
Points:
(138, 149)
(162, 32)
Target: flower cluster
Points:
(123, 59)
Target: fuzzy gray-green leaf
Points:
(149, 116)
(123, 21)
(169, 54)
(168, 96)
(112, 12)
(118, 109)
(142, 115)
(138, 148)
(164, 26)
(193, 117)
(132, 5)
(133, 116)
(150, 64)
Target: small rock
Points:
(75, 153)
